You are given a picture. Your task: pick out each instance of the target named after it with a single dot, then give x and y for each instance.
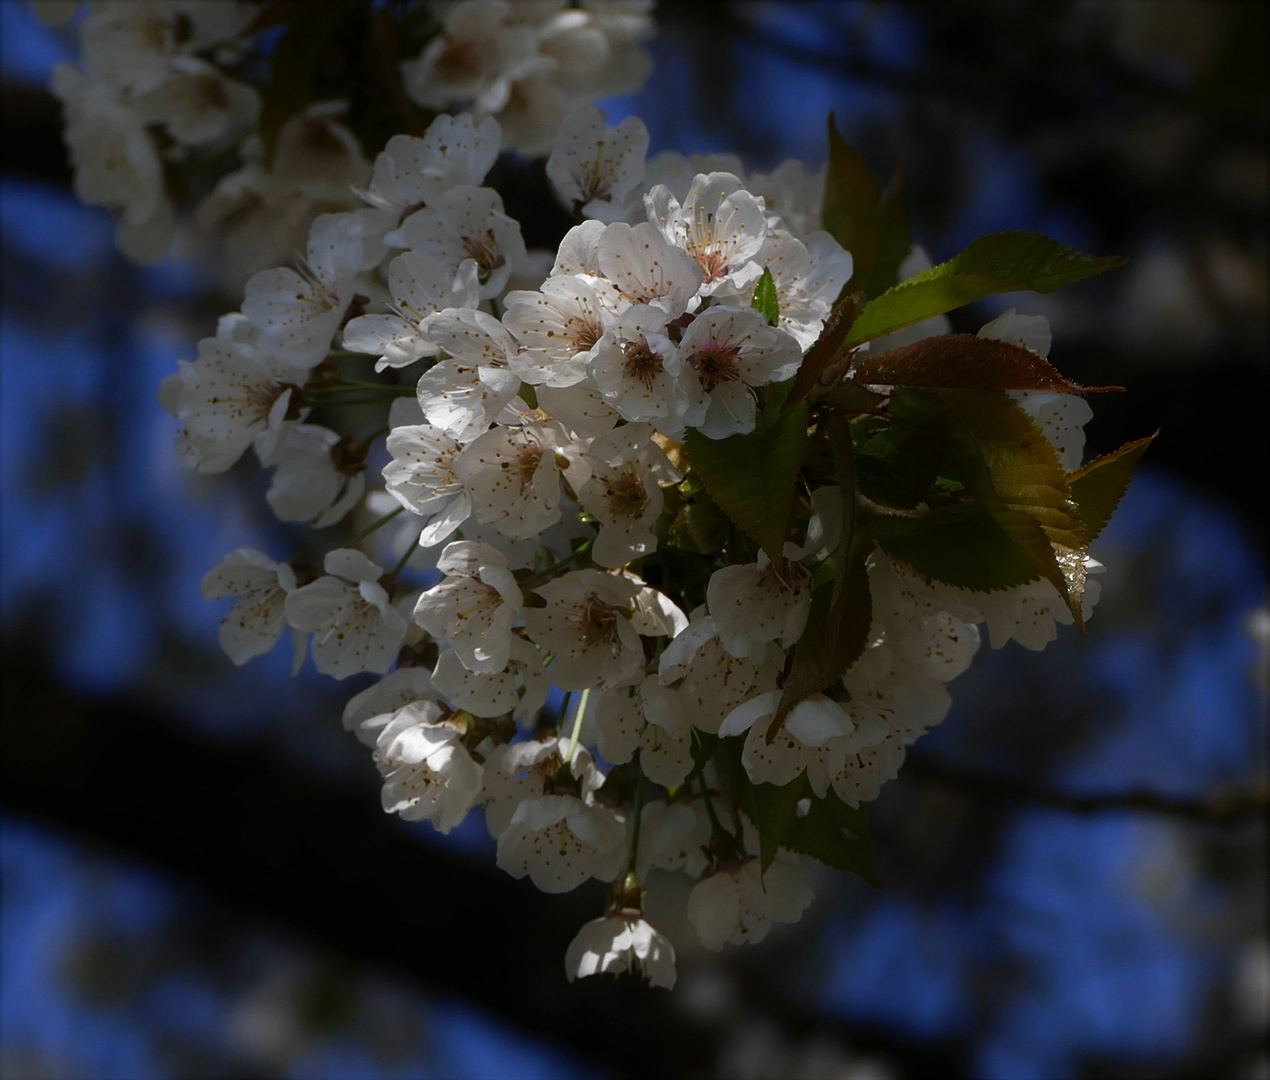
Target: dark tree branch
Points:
(1223, 808)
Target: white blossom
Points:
(466, 223)
(724, 353)
(355, 627)
(635, 367)
(421, 477)
(420, 286)
(624, 492)
(673, 836)
(793, 196)
(677, 171)
(474, 607)
(587, 624)
(650, 719)
(808, 277)
(512, 477)
(198, 104)
(595, 168)
(753, 603)
(368, 711)
(737, 904)
(712, 682)
(559, 326)
(645, 266)
(579, 251)
(255, 623)
(580, 409)
(1031, 613)
(262, 212)
(719, 224)
(229, 399)
(428, 773)
(560, 840)
(466, 393)
(116, 164)
(412, 172)
(520, 688)
(619, 942)
(309, 483)
(299, 311)
(468, 60)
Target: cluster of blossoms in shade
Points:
(578, 623)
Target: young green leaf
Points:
(897, 465)
(1003, 458)
(752, 476)
(765, 301)
(966, 362)
(851, 206)
(970, 550)
(1098, 487)
(820, 834)
(998, 263)
(836, 633)
(894, 241)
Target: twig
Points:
(1222, 808)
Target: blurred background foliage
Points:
(197, 879)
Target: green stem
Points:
(555, 568)
(374, 526)
(577, 725)
(405, 557)
(636, 809)
(715, 827)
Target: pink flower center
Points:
(715, 364)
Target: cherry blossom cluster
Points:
(148, 96)
(167, 93)
(536, 406)
(528, 62)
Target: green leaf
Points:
(700, 527)
(999, 263)
(897, 466)
(966, 362)
(752, 476)
(820, 835)
(851, 397)
(836, 633)
(851, 206)
(894, 241)
(1005, 461)
(765, 301)
(298, 58)
(1098, 487)
(773, 811)
(970, 551)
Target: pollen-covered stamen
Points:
(597, 621)
(716, 363)
(784, 573)
(713, 263)
(483, 249)
(321, 293)
(641, 363)
(625, 496)
(525, 465)
(593, 181)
